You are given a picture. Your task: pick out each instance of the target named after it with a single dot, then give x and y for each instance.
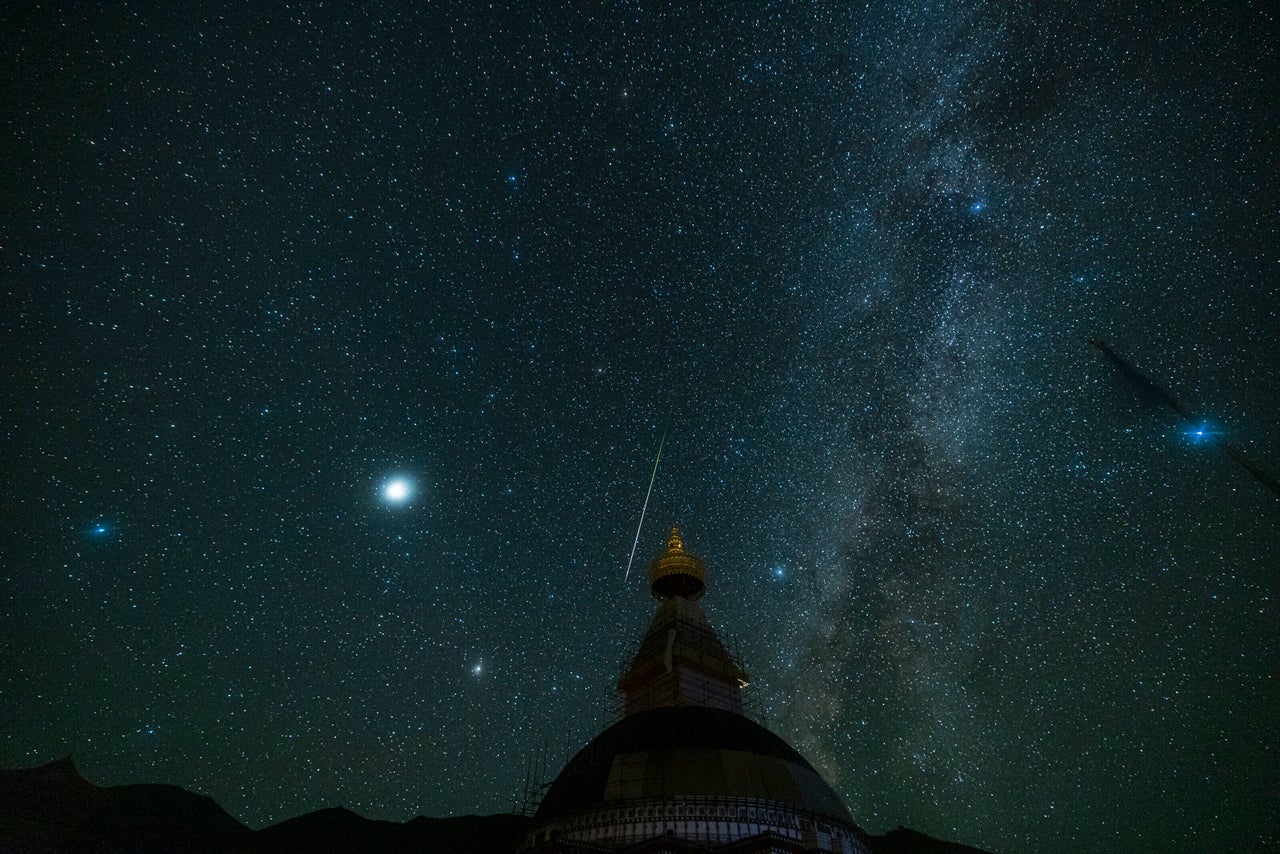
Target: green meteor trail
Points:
(652, 477)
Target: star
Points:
(1201, 433)
(397, 490)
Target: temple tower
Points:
(684, 770)
(681, 661)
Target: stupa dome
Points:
(685, 751)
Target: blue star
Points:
(1201, 433)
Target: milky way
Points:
(263, 265)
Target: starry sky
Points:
(339, 341)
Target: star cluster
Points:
(340, 339)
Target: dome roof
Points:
(683, 751)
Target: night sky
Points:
(338, 342)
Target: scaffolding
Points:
(542, 768)
(681, 661)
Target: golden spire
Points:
(674, 542)
(677, 572)
(681, 661)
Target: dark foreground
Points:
(52, 808)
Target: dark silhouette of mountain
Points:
(903, 840)
(52, 809)
(340, 830)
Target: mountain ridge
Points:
(52, 809)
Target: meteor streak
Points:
(652, 477)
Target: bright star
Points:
(398, 490)
(1201, 433)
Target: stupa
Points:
(685, 770)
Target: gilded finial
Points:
(674, 542)
(677, 572)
